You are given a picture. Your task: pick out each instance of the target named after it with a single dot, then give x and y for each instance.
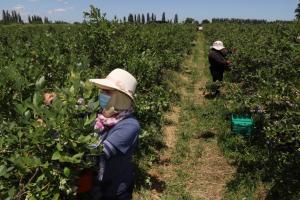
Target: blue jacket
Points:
(116, 168)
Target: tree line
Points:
(245, 21)
(236, 20)
(149, 18)
(297, 11)
(13, 17)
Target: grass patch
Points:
(188, 127)
(215, 124)
(180, 196)
(168, 122)
(197, 153)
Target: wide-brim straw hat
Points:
(218, 45)
(118, 79)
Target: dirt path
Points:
(192, 165)
(164, 170)
(212, 171)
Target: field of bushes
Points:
(44, 147)
(264, 82)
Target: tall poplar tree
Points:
(163, 18)
(11, 17)
(143, 19)
(148, 18)
(297, 11)
(138, 18)
(130, 18)
(152, 17)
(176, 19)
(46, 20)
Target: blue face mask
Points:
(103, 100)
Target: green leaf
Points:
(59, 147)
(20, 134)
(37, 98)
(89, 120)
(12, 125)
(92, 106)
(27, 115)
(84, 139)
(4, 171)
(20, 108)
(76, 158)
(64, 158)
(32, 198)
(67, 171)
(72, 90)
(56, 156)
(33, 161)
(12, 192)
(40, 83)
(40, 178)
(56, 196)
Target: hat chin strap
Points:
(109, 112)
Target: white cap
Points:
(118, 79)
(217, 45)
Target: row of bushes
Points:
(264, 81)
(43, 148)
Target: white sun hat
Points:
(217, 45)
(118, 79)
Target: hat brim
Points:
(217, 48)
(108, 85)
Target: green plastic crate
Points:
(241, 124)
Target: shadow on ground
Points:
(205, 135)
(149, 182)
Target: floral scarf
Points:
(101, 122)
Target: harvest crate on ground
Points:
(241, 124)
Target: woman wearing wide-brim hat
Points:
(118, 133)
(218, 63)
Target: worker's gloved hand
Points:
(228, 65)
(49, 97)
(41, 122)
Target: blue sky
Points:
(72, 10)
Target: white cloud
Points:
(18, 7)
(63, 1)
(33, 0)
(60, 10)
(56, 10)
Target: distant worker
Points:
(218, 63)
